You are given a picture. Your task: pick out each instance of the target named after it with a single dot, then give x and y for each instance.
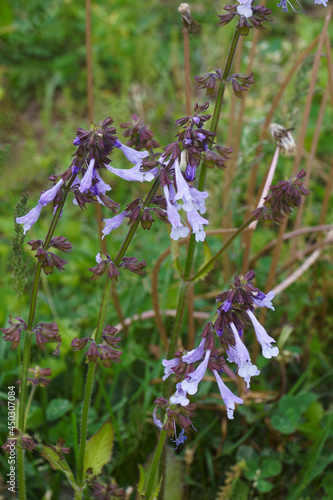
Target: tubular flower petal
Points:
(195, 354)
(113, 223)
(30, 218)
(262, 300)
(190, 384)
(228, 397)
(88, 177)
(179, 398)
(240, 355)
(168, 365)
(50, 194)
(245, 8)
(263, 338)
(131, 154)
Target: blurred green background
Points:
(275, 450)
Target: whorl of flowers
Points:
(283, 197)
(234, 314)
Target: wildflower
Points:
(244, 9)
(31, 217)
(240, 355)
(195, 354)
(228, 397)
(263, 338)
(179, 398)
(168, 365)
(178, 229)
(113, 223)
(191, 382)
(262, 300)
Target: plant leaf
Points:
(207, 258)
(99, 449)
(57, 462)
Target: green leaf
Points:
(270, 467)
(99, 449)
(141, 479)
(284, 336)
(263, 486)
(207, 258)
(57, 462)
(57, 408)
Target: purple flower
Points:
(196, 120)
(168, 365)
(263, 338)
(179, 398)
(156, 420)
(178, 229)
(131, 154)
(228, 397)
(197, 222)
(195, 354)
(245, 8)
(240, 355)
(320, 2)
(190, 384)
(113, 223)
(77, 141)
(50, 194)
(132, 174)
(31, 217)
(88, 177)
(262, 300)
(190, 172)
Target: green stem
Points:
(27, 343)
(99, 329)
(222, 249)
(27, 408)
(89, 383)
(154, 465)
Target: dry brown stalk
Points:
(309, 164)
(254, 172)
(287, 236)
(301, 140)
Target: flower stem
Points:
(99, 329)
(191, 248)
(27, 343)
(154, 465)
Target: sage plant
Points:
(176, 197)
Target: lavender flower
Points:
(244, 9)
(168, 365)
(113, 223)
(178, 229)
(263, 338)
(179, 398)
(31, 217)
(88, 177)
(228, 397)
(262, 300)
(190, 384)
(240, 355)
(195, 354)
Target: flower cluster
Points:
(250, 16)
(180, 416)
(48, 259)
(234, 313)
(140, 137)
(38, 376)
(106, 353)
(45, 333)
(83, 178)
(283, 5)
(241, 83)
(284, 196)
